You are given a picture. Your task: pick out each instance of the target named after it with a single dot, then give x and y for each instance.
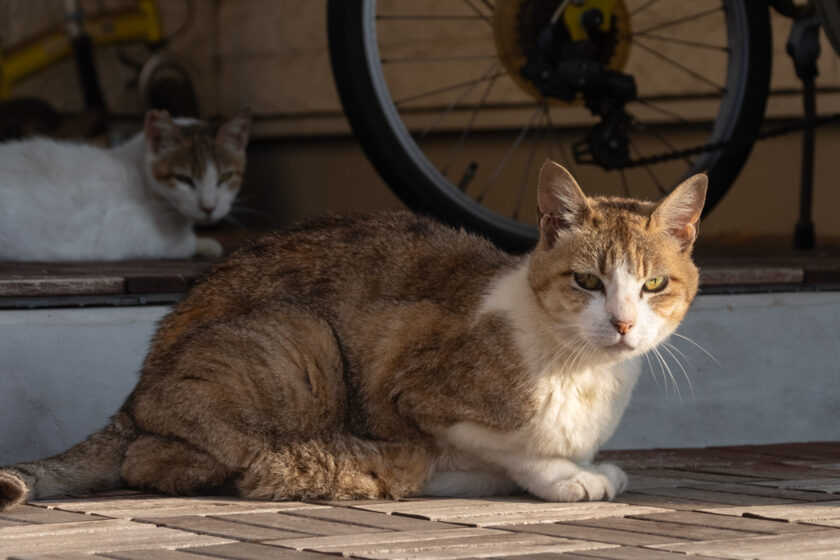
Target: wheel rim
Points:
(729, 102)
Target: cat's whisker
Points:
(685, 373)
(680, 352)
(670, 374)
(697, 345)
(650, 368)
(234, 221)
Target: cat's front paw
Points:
(600, 482)
(207, 247)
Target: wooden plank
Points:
(688, 459)
(336, 543)
(748, 524)
(717, 497)
(454, 543)
(766, 546)
(57, 556)
(634, 553)
(692, 475)
(660, 528)
(148, 554)
(221, 527)
(799, 512)
(604, 534)
(666, 502)
(61, 286)
(765, 490)
(129, 508)
(750, 275)
(33, 514)
(298, 526)
(826, 485)
(770, 470)
(252, 551)
(355, 516)
(485, 513)
(95, 536)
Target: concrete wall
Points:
(65, 371)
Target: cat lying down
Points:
(389, 355)
(69, 201)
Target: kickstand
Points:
(803, 46)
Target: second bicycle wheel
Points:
(444, 100)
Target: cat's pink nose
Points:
(207, 209)
(621, 326)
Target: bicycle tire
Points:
(829, 13)
(368, 107)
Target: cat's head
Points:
(196, 167)
(614, 273)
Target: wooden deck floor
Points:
(779, 501)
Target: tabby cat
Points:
(70, 201)
(389, 355)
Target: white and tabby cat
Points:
(386, 355)
(69, 201)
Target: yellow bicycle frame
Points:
(139, 23)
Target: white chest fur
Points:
(575, 415)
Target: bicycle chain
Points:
(715, 146)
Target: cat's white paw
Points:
(599, 482)
(207, 247)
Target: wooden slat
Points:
(372, 519)
(747, 524)
(826, 485)
(634, 553)
(487, 514)
(718, 497)
(95, 536)
(605, 533)
(61, 286)
(33, 514)
(223, 527)
(800, 512)
(299, 526)
(765, 490)
(803, 545)
(170, 507)
(148, 554)
(660, 528)
(253, 551)
(454, 543)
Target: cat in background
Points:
(389, 355)
(69, 201)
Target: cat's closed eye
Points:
(186, 179)
(224, 177)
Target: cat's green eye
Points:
(226, 176)
(588, 281)
(655, 284)
(186, 179)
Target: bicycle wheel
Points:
(436, 94)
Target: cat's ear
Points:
(560, 202)
(233, 133)
(679, 212)
(161, 132)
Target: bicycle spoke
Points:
(444, 89)
(478, 12)
(567, 161)
(666, 112)
(720, 89)
(666, 142)
(522, 134)
(649, 171)
(673, 22)
(489, 5)
(462, 58)
(643, 7)
(466, 132)
(443, 114)
(685, 42)
(523, 184)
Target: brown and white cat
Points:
(389, 355)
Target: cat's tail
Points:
(91, 466)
